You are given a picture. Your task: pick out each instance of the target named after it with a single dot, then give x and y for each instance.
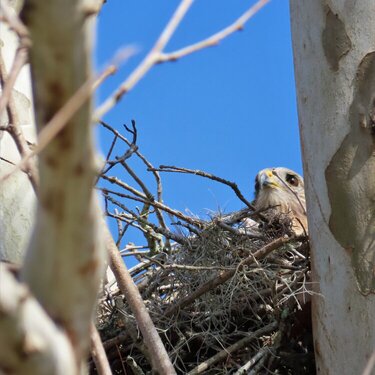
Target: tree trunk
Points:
(17, 198)
(334, 56)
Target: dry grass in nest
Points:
(225, 301)
(225, 298)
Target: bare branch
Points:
(220, 356)
(13, 127)
(232, 185)
(158, 353)
(215, 39)
(147, 63)
(98, 353)
(141, 198)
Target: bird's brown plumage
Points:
(282, 190)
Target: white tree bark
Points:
(66, 258)
(334, 56)
(17, 197)
(30, 341)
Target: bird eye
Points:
(292, 180)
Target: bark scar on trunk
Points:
(351, 173)
(336, 42)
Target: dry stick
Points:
(156, 55)
(370, 365)
(116, 340)
(232, 185)
(98, 353)
(227, 351)
(61, 118)
(242, 370)
(147, 193)
(13, 20)
(142, 157)
(215, 39)
(15, 131)
(224, 276)
(148, 61)
(134, 217)
(160, 359)
(143, 199)
(19, 61)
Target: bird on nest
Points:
(281, 191)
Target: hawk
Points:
(282, 190)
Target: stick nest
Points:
(228, 295)
(224, 301)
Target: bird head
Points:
(283, 190)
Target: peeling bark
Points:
(335, 40)
(350, 178)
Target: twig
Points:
(187, 267)
(160, 359)
(227, 351)
(224, 276)
(19, 61)
(116, 340)
(147, 193)
(215, 39)
(235, 231)
(13, 20)
(157, 56)
(21, 54)
(98, 353)
(142, 157)
(243, 370)
(232, 185)
(148, 61)
(62, 116)
(15, 131)
(370, 365)
(141, 198)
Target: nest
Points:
(224, 301)
(228, 295)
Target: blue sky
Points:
(229, 110)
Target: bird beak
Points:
(267, 179)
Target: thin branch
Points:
(20, 59)
(247, 366)
(15, 131)
(147, 63)
(98, 353)
(220, 356)
(156, 54)
(215, 39)
(62, 116)
(145, 224)
(142, 157)
(160, 359)
(232, 185)
(141, 198)
(13, 20)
